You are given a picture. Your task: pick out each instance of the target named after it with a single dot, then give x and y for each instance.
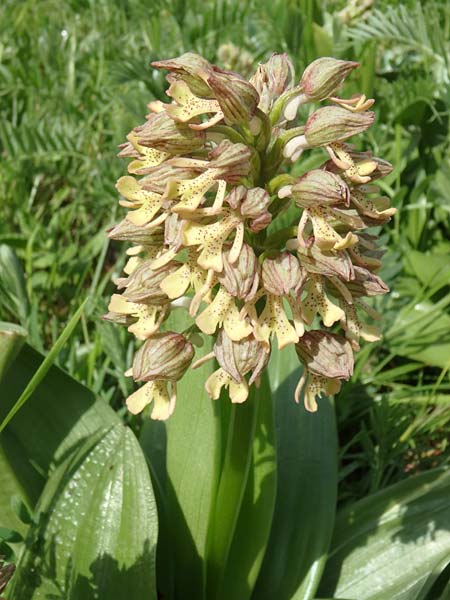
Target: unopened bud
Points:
(334, 124)
(126, 231)
(323, 77)
(319, 188)
(326, 354)
(239, 358)
(233, 158)
(282, 274)
(163, 133)
(164, 357)
(144, 284)
(330, 264)
(237, 98)
(191, 68)
(253, 205)
(272, 79)
(240, 279)
(367, 283)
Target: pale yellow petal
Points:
(216, 312)
(140, 398)
(317, 301)
(192, 191)
(150, 157)
(187, 104)
(235, 326)
(238, 391)
(176, 284)
(273, 321)
(215, 382)
(163, 404)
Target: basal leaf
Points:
(58, 416)
(95, 527)
(388, 544)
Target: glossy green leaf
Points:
(306, 490)
(388, 544)
(95, 527)
(185, 456)
(255, 516)
(9, 488)
(58, 416)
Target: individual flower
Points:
(327, 359)
(236, 360)
(206, 189)
(161, 361)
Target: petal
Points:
(273, 321)
(235, 326)
(215, 383)
(216, 312)
(163, 404)
(238, 391)
(324, 235)
(156, 392)
(149, 202)
(187, 104)
(210, 238)
(192, 191)
(140, 398)
(317, 301)
(176, 284)
(150, 157)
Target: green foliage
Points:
(241, 517)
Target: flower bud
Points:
(144, 284)
(164, 357)
(240, 279)
(323, 77)
(237, 98)
(318, 187)
(272, 79)
(239, 358)
(334, 124)
(234, 159)
(326, 354)
(366, 283)
(126, 231)
(330, 264)
(163, 133)
(191, 68)
(255, 208)
(173, 230)
(157, 177)
(282, 274)
(253, 205)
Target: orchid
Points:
(206, 186)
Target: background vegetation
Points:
(75, 78)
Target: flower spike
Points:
(207, 181)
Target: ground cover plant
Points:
(246, 499)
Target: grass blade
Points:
(45, 366)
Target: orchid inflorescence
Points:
(208, 191)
